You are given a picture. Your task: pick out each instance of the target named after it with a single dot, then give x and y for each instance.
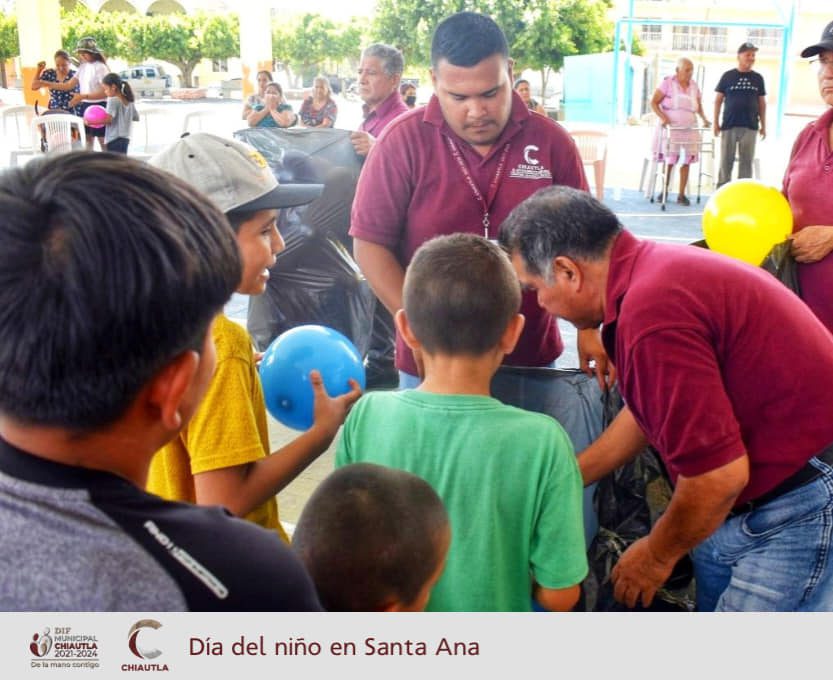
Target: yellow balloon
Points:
(745, 218)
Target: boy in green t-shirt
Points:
(508, 477)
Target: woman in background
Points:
(409, 95)
(319, 110)
(263, 79)
(274, 112)
(62, 73)
(808, 186)
(677, 103)
(525, 91)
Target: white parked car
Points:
(147, 80)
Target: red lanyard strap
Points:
(493, 186)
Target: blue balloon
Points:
(286, 364)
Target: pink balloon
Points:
(95, 116)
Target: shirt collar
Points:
(823, 122)
(393, 99)
(626, 249)
(28, 467)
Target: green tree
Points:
(184, 40)
(304, 46)
(283, 45)
(540, 32)
(409, 25)
(555, 29)
(9, 43)
(103, 27)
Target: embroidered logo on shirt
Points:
(528, 154)
(532, 168)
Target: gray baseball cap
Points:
(233, 174)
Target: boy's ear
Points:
(170, 389)
(512, 333)
(404, 328)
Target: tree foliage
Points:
(9, 43)
(183, 40)
(540, 32)
(307, 43)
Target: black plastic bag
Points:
(315, 279)
(628, 503)
(782, 265)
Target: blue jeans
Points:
(775, 558)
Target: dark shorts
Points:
(91, 131)
(118, 145)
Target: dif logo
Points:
(41, 643)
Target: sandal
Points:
(683, 200)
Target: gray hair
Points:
(558, 221)
(323, 80)
(392, 60)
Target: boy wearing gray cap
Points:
(222, 456)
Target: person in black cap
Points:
(222, 456)
(744, 114)
(808, 186)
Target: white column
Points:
(255, 41)
(39, 27)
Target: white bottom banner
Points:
(53, 646)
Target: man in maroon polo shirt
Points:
(727, 373)
(380, 71)
(462, 163)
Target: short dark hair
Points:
(467, 38)
(370, 535)
(109, 268)
(460, 294)
(556, 221)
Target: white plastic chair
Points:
(198, 121)
(155, 130)
(62, 132)
(17, 121)
(592, 146)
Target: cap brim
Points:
(813, 50)
(284, 196)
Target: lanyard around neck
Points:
(484, 202)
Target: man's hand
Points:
(591, 349)
(362, 142)
(329, 412)
(812, 244)
(716, 129)
(762, 132)
(639, 574)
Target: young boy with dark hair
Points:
(508, 477)
(373, 539)
(222, 457)
(111, 273)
